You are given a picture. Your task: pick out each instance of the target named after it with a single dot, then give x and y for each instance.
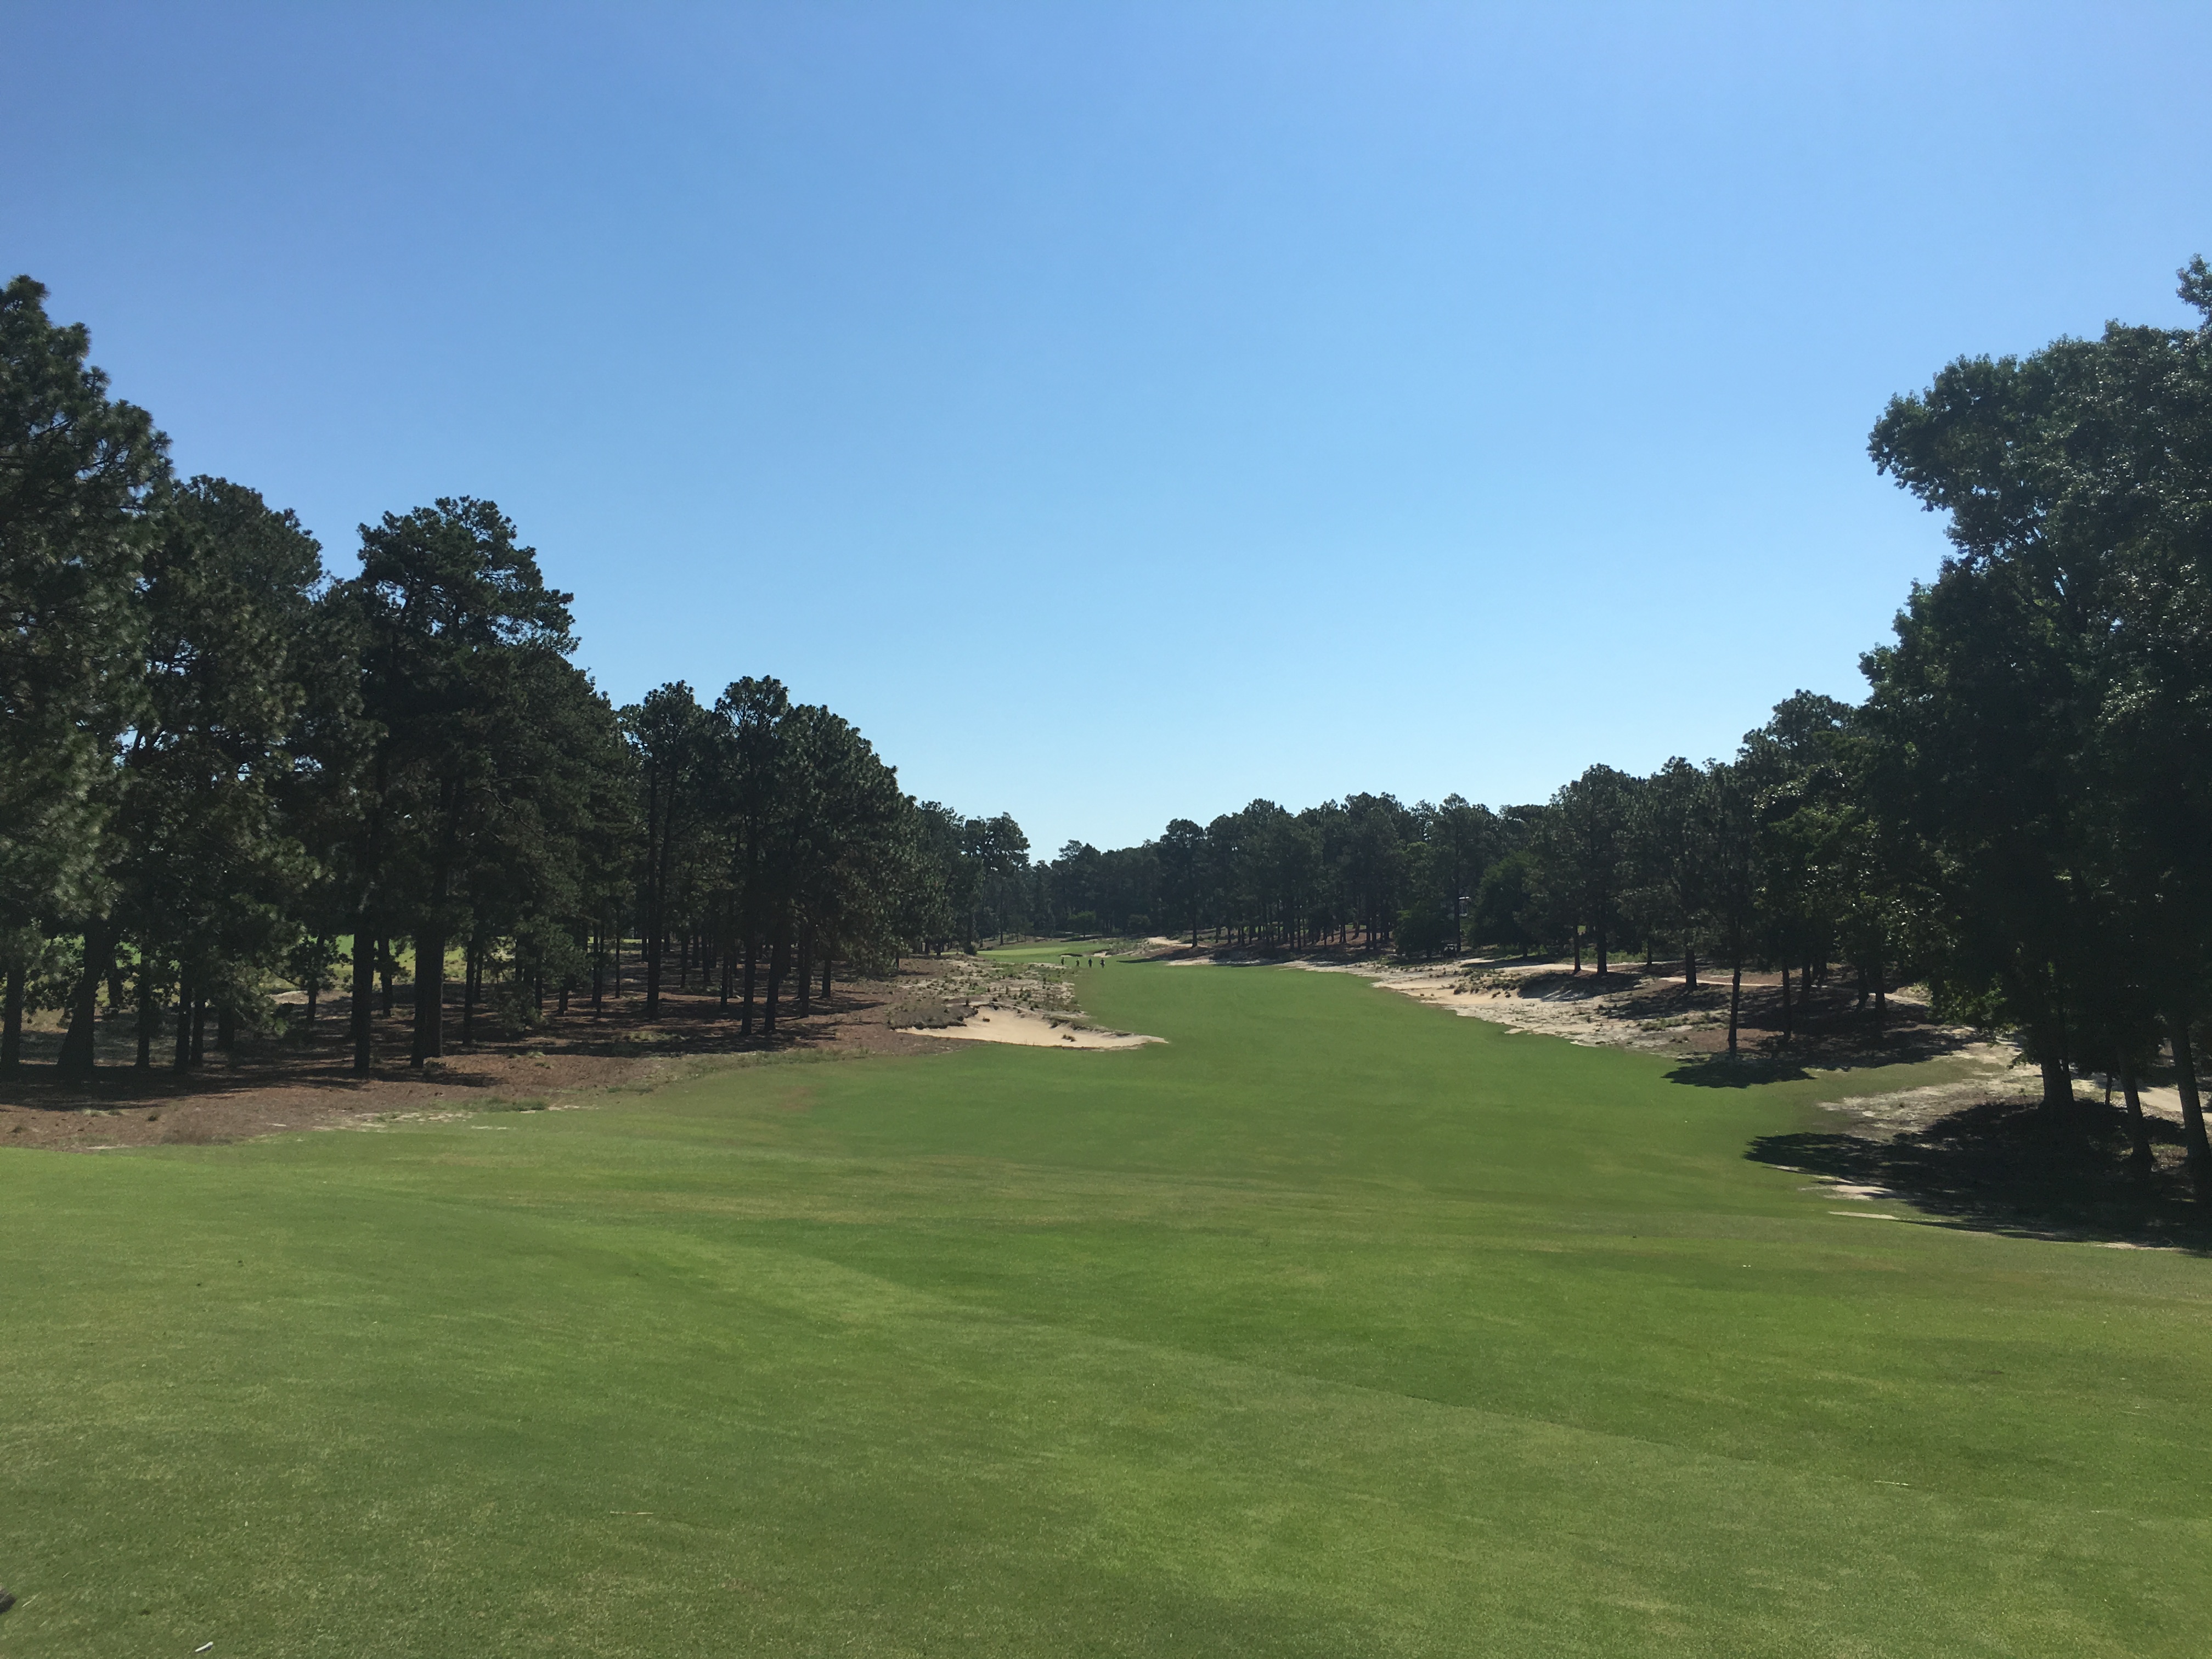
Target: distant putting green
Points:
(1334, 1327)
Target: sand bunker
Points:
(1031, 1030)
(1585, 1011)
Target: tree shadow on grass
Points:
(2002, 1167)
(1737, 1071)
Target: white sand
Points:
(1031, 1030)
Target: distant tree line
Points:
(218, 764)
(2020, 814)
(221, 766)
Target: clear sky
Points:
(1122, 411)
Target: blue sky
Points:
(1122, 411)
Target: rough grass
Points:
(1334, 1326)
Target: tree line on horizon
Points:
(221, 765)
(2018, 814)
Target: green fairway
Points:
(1334, 1326)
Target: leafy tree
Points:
(1508, 906)
(1796, 764)
(1584, 848)
(1182, 855)
(457, 628)
(1671, 858)
(1464, 838)
(1729, 808)
(78, 472)
(1984, 709)
(672, 736)
(206, 868)
(1000, 853)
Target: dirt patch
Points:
(1658, 1011)
(975, 999)
(302, 1078)
(1973, 1151)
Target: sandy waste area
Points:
(1659, 1016)
(1030, 1005)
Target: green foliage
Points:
(79, 474)
(1510, 909)
(514, 1007)
(2039, 728)
(1423, 931)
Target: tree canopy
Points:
(220, 763)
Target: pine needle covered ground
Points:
(1331, 1325)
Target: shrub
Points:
(512, 1005)
(912, 1010)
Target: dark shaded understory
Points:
(2003, 1167)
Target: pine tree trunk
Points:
(725, 943)
(11, 1019)
(384, 965)
(181, 1052)
(1689, 969)
(1785, 1001)
(226, 1029)
(805, 964)
(1735, 1002)
(2192, 1109)
(471, 977)
(651, 942)
(2057, 1088)
(150, 1017)
(779, 962)
(752, 956)
(2139, 1153)
(430, 984)
(361, 1014)
(77, 1058)
(825, 975)
(199, 1027)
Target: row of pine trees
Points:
(221, 767)
(2018, 814)
(220, 764)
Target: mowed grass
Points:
(1335, 1326)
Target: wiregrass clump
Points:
(919, 1011)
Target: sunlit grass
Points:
(1332, 1326)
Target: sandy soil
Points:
(1030, 1030)
(1032, 1004)
(298, 1081)
(1656, 1012)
